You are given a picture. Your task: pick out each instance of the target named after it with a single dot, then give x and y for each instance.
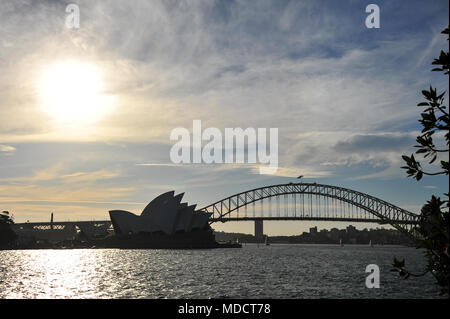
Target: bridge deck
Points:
(335, 219)
(64, 223)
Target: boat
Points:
(341, 243)
(267, 241)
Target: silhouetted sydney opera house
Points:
(164, 223)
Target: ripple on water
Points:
(276, 271)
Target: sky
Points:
(342, 96)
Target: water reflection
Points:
(276, 271)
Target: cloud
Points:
(348, 155)
(7, 148)
(343, 97)
(160, 164)
(56, 186)
(90, 176)
(375, 142)
(73, 194)
(228, 63)
(307, 172)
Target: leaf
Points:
(419, 176)
(434, 158)
(406, 159)
(426, 94)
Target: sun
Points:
(71, 92)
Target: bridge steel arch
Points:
(382, 212)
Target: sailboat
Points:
(267, 241)
(370, 243)
(340, 242)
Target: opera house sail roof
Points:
(164, 214)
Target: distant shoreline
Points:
(348, 236)
(243, 245)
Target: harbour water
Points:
(275, 271)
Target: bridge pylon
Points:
(259, 230)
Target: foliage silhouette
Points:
(7, 235)
(433, 227)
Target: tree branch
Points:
(433, 174)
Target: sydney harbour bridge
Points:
(291, 202)
(309, 202)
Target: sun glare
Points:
(71, 92)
